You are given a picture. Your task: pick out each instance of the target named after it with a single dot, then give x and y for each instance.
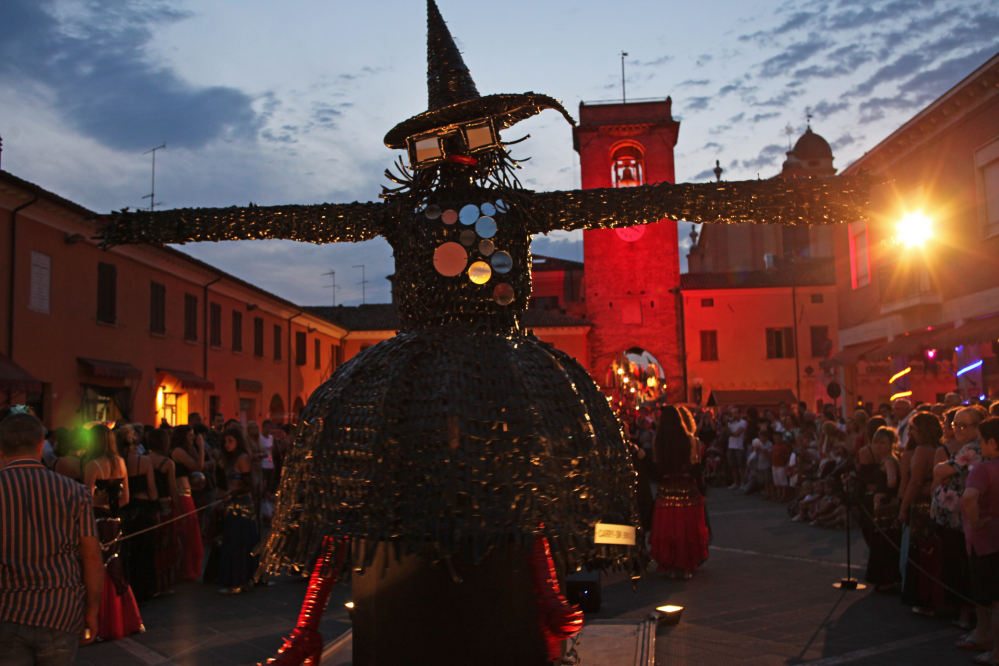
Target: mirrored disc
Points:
(502, 262)
(432, 212)
(503, 294)
(450, 259)
(450, 216)
(479, 272)
(467, 237)
(488, 209)
(485, 227)
(486, 248)
(501, 206)
(469, 214)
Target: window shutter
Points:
(215, 310)
(258, 336)
(237, 331)
(788, 342)
(277, 342)
(190, 317)
(318, 345)
(107, 287)
(300, 352)
(771, 343)
(157, 308)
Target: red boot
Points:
(305, 645)
(557, 618)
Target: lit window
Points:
(860, 266)
(990, 196)
(628, 166)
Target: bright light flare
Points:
(898, 375)
(969, 368)
(914, 229)
(898, 396)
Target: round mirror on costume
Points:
(502, 262)
(479, 272)
(469, 214)
(450, 259)
(485, 227)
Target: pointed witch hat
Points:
(453, 97)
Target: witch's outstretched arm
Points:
(777, 201)
(320, 223)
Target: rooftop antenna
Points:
(624, 99)
(152, 192)
(790, 132)
(363, 282)
(333, 286)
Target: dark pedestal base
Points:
(413, 613)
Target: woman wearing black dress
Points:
(882, 475)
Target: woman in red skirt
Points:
(188, 455)
(679, 534)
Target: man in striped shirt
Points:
(50, 557)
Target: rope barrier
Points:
(913, 563)
(124, 537)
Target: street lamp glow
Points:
(914, 229)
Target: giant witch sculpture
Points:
(438, 459)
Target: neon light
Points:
(931, 353)
(903, 394)
(900, 374)
(965, 369)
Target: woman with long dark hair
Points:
(239, 525)
(879, 508)
(919, 590)
(169, 544)
(139, 516)
(105, 474)
(188, 456)
(679, 535)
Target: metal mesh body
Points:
(449, 441)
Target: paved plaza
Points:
(765, 598)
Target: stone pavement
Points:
(764, 598)
(197, 626)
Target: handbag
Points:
(921, 524)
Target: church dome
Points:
(811, 146)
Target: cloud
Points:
(764, 116)
(873, 109)
(713, 145)
(901, 67)
(96, 66)
(825, 109)
(661, 60)
(738, 117)
(767, 157)
(793, 55)
(845, 140)
(694, 82)
(707, 174)
(697, 103)
(780, 99)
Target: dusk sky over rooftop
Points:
(289, 104)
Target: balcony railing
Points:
(906, 282)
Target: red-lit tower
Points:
(630, 273)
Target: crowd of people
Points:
(159, 500)
(922, 484)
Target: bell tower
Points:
(631, 274)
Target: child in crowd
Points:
(813, 493)
(825, 506)
(835, 518)
(779, 458)
(763, 446)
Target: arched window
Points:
(628, 166)
(277, 414)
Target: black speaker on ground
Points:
(584, 593)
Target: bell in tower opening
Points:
(628, 166)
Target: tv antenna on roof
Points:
(363, 282)
(790, 132)
(333, 286)
(152, 193)
(624, 99)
